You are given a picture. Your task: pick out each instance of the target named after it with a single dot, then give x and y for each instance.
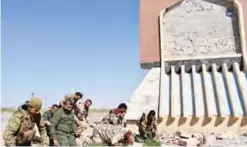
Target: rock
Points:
(210, 140)
(183, 135)
(226, 135)
(188, 142)
(182, 142)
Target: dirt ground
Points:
(181, 138)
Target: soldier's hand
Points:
(77, 134)
(47, 123)
(56, 143)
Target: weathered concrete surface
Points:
(199, 27)
(146, 96)
(149, 30)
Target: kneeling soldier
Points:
(147, 127)
(20, 130)
(63, 126)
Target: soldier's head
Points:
(34, 106)
(88, 103)
(121, 110)
(122, 106)
(54, 107)
(78, 95)
(68, 105)
(151, 114)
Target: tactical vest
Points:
(27, 129)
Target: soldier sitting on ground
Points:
(81, 114)
(73, 97)
(63, 126)
(116, 116)
(147, 127)
(47, 118)
(110, 135)
(20, 130)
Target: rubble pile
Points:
(203, 139)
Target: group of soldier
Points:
(67, 124)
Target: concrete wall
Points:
(205, 101)
(149, 30)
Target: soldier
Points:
(147, 127)
(116, 116)
(110, 135)
(63, 126)
(20, 130)
(47, 118)
(73, 97)
(81, 114)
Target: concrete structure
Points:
(197, 56)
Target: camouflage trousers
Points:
(89, 137)
(66, 139)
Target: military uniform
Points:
(70, 97)
(47, 117)
(81, 114)
(105, 134)
(20, 130)
(147, 129)
(112, 119)
(63, 128)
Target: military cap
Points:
(35, 103)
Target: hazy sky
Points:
(53, 47)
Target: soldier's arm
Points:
(125, 123)
(45, 116)
(54, 122)
(113, 119)
(105, 120)
(74, 127)
(155, 123)
(42, 131)
(12, 128)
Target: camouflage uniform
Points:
(105, 133)
(47, 117)
(20, 130)
(147, 129)
(81, 114)
(112, 119)
(63, 128)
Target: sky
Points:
(55, 47)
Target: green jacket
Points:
(62, 123)
(14, 123)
